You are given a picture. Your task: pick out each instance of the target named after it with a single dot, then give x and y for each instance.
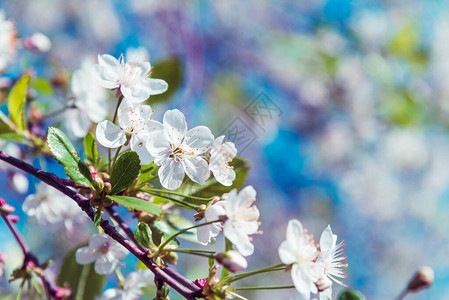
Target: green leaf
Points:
(16, 102)
(137, 203)
(142, 234)
(147, 173)
(212, 187)
(84, 169)
(170, 70)
(125, 171)
(90, 148)
(350, 294)
(82, 280)
(161, 229)
(63, 151)
(12, 137)
(42, 85)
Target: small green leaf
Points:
(142, 234)
(170, 70)
(16, 102)
(212, 187)
(90, 148)
(63, 151)
(162, 231)
(97, 217)
(82, 280)
(350, 294)
(137, 203)
(42, 85)
(84, 169)
(147, 173)
(125, 171)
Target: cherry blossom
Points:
(48, 205)
(330, 260)
(132, 288)
(299, 251)
(104, 251)
(242, 219)
(8, 37)
(221, 154)
(135, 123)
(207, 232)
(178, 150)
(89, 104)
(132, 78)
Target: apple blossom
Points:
(104, 251)
(221, 154)
(242, 219)
(132, 289)
(207, 232)
(135, 123)
(299, 251)
(178, 150)
(89, 105)
(132, 78)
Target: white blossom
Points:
(8, 37)
(221, 154)
(135, 122)
(242, 219)
(178, 151)
(132, 78)
(330, 260)
(48, 205)
(132, 288)
(299, 251)
(207, 232)
(89, 104)
(104, 251)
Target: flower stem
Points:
(149, 190)
(161, 247)
(255, 272)
(250, 288)
(116, 155)
(182, 203)
(19, 293)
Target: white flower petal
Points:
(327, 239)
(203, 234)
(326, 294)
(105, 264)
(197, 169)
(286, 254)
(239, 238)
(302, 280)
(171, 175)
(157, 144)
(138, 144)
(84, 256)
(157, 86)
(135, 94)
(199, 139)
(175, 126)
(110, 135)
(77, 122)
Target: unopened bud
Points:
(37, 42)
(422, 279)
(98, 184)
(172, 258)
(5, 209)
(107, 187)
(14, 219)
(232, 260)
(63, 293)
(323, 284)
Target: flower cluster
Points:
(311, 269)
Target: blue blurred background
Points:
(342, 108)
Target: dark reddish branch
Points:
(29, 258)
(56, 182)
(170, 271)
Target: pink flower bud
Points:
(63, 293)
(37, 42)
(13, 218)
(422, 279)
(232, 260)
